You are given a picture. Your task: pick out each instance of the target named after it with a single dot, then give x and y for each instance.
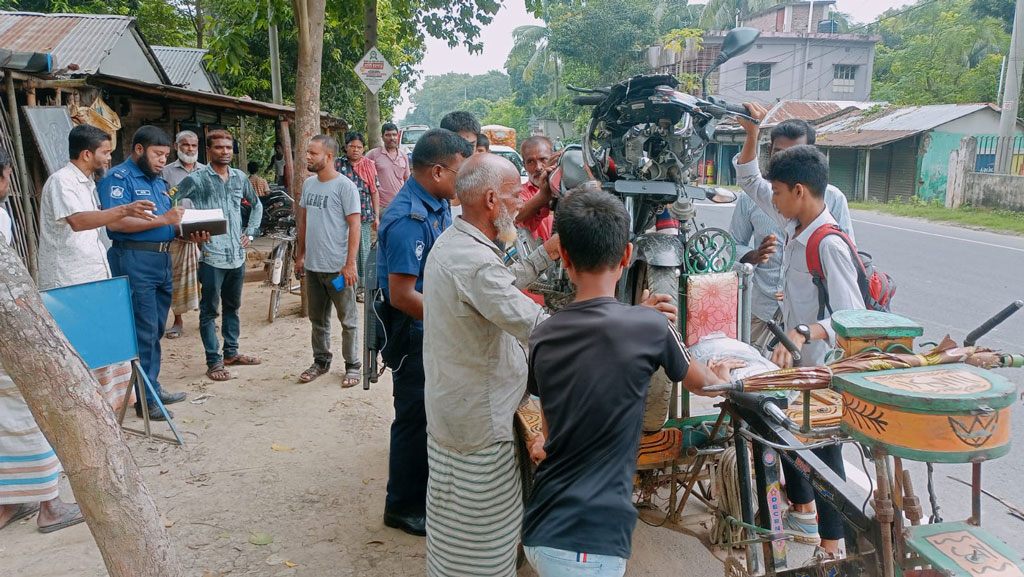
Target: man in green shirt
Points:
(222, 258)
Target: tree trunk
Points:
(372, 103)
(309, 22)
(66, 403)
(199, 24)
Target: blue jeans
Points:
(149, 277)
(220, 286)
(548, 562)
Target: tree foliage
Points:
(940, 52)
(445, 93)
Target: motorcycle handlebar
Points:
(781, 335)
(762, 404)
(991, 323)
(588, 99)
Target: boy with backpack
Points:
(591, 364)
(795, 199)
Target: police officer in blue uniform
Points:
(141, 248)
(415, 218)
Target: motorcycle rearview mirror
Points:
(737, 41)
(721, 195)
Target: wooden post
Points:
(23, 177)
(961, 162)
(867, 173)
(243, 152)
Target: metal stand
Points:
(141, 382)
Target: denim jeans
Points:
(220, 286)
(548, 562)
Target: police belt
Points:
(140, 245)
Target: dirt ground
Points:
(267, 457)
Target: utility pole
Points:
(1011, 94)
(275, 58)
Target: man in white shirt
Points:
(71, 235)
(71, 249)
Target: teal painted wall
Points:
(933, 170)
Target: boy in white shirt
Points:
(795, 199)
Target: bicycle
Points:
(279, 266)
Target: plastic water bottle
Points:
(275, 276)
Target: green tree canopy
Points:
(940, 52)
(442, 94)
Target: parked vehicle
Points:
(408, 135)
(501, 135)
(510, 153)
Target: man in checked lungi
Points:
(29, 469)
(184, 254)
(476, 325)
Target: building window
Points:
(844, 78)
(759, 77)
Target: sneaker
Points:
(802, 526)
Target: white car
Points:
(408, 135)
(513, 156)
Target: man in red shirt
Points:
(535, 216)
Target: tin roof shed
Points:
(82, 44)
(186, 68)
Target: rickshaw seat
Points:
(959, 549)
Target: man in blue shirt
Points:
(222, 259)
(415, 218)
(141, 248)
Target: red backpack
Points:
(876, 287)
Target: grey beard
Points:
(506, 225)
(188, 159)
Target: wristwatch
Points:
(805, 331)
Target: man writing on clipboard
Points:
(222, 258)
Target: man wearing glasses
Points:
(418, 214)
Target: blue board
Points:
(97, 320)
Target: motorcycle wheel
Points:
(658, 280)
(275, 290)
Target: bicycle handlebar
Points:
(991, 323)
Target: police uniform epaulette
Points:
(119, 173)
(418, 216)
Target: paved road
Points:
(950, 280)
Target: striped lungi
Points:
(114, 380)
(185, 266)
(474, 511)
(28, 466)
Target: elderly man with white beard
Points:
(476, 327)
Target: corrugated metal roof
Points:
(869, 128)
(180, 63)
(809, 110)
(84, 40)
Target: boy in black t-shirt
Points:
(591, 364)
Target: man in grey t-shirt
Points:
(327, 248)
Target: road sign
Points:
(374, 69)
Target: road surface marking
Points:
(939, 235)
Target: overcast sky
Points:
(497, 38)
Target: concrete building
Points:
(797, 57)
